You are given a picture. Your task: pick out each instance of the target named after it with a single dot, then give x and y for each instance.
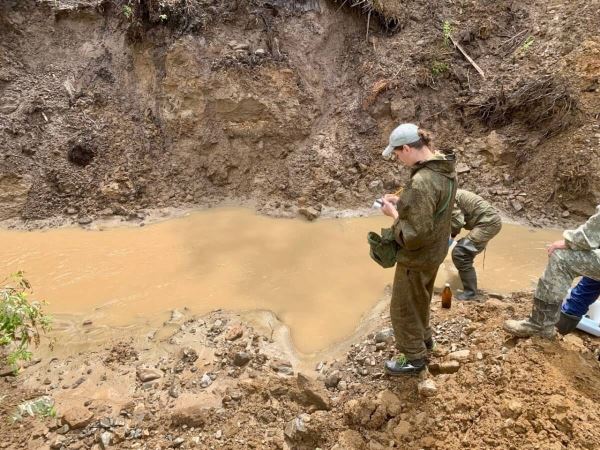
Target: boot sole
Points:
(403, 374)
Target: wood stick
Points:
(462, 50)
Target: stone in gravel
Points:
(309, 213)
(342, 386)
(446, 367)
(105, 439)
(282, 366)
(401, 430)
(235, 332)
(427, 388)
(87, 322)
(84, 220)
(460, 355)
(218, 434)
(390, 402)
(236, 395)
(106, 422)
(333, 379)
(350, 440)
(462, 168)
(177, 442)
(192, 416)
(57, 443)
(376, 186)
(147, 374)
(241, 359)
(77, 417)
(384, 335)
(205, 381)
(174, 392)
(311, 393)
(63, 430)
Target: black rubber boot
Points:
(567, 323)
(469, 281)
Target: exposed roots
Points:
(388, 17)
(543, 104)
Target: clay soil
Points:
(216, 382)
(114, 108)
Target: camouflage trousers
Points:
(563, 267)
(410, 309)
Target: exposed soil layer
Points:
(114, 107)
(216, 382)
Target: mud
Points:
(316, 277)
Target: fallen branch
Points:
(462, 50)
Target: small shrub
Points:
(127, 12)
(21, 321)
(438, 68)
(447, 31)
(528, 43)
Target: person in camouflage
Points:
(578, 254)
(472, 213)
(422, 215)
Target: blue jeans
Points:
(582, 296)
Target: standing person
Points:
(422, 215)
(577, 304)
(472, 213)
(578, 254)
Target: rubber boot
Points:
(469, 281)
(567, 323)
(541, 322)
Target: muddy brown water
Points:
(316, 277)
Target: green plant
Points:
(127, 12)
(447, 31)
(525, 46)
(21, 321)
(438, 68)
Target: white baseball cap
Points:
(407, 133)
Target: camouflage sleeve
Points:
(416, 210)
(458, 221)
(586, 236)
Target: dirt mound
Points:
(215, 382)
(115, 107)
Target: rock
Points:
(516, 205)
(58, 442)
(565, 214)
(332, 380)
(260, 52)
(87, 323)
(192, 416)
(427, 388)
(376, 186)
(85, 220)
(511, 409)
(312, 394)
(495, 146)
(241, 359)
(63, 430)
(145, 374)
(365, 412)
(219, 434)
(298, 436)
(176, 316)
(78, 417)
(445, 367)
(205, 381)
(350, 440)
(461, 355)
(106, 422)
(342, 386)
(309, 213)
(386, 335)
(282, 366)
(462, 168)
(71, 211)
(105, 439)
(177, 442)
(174, 392)
(401, 430)
(390, 402)
(234, 333)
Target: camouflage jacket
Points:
(586, 236)
(470, 211)
(423, 224)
